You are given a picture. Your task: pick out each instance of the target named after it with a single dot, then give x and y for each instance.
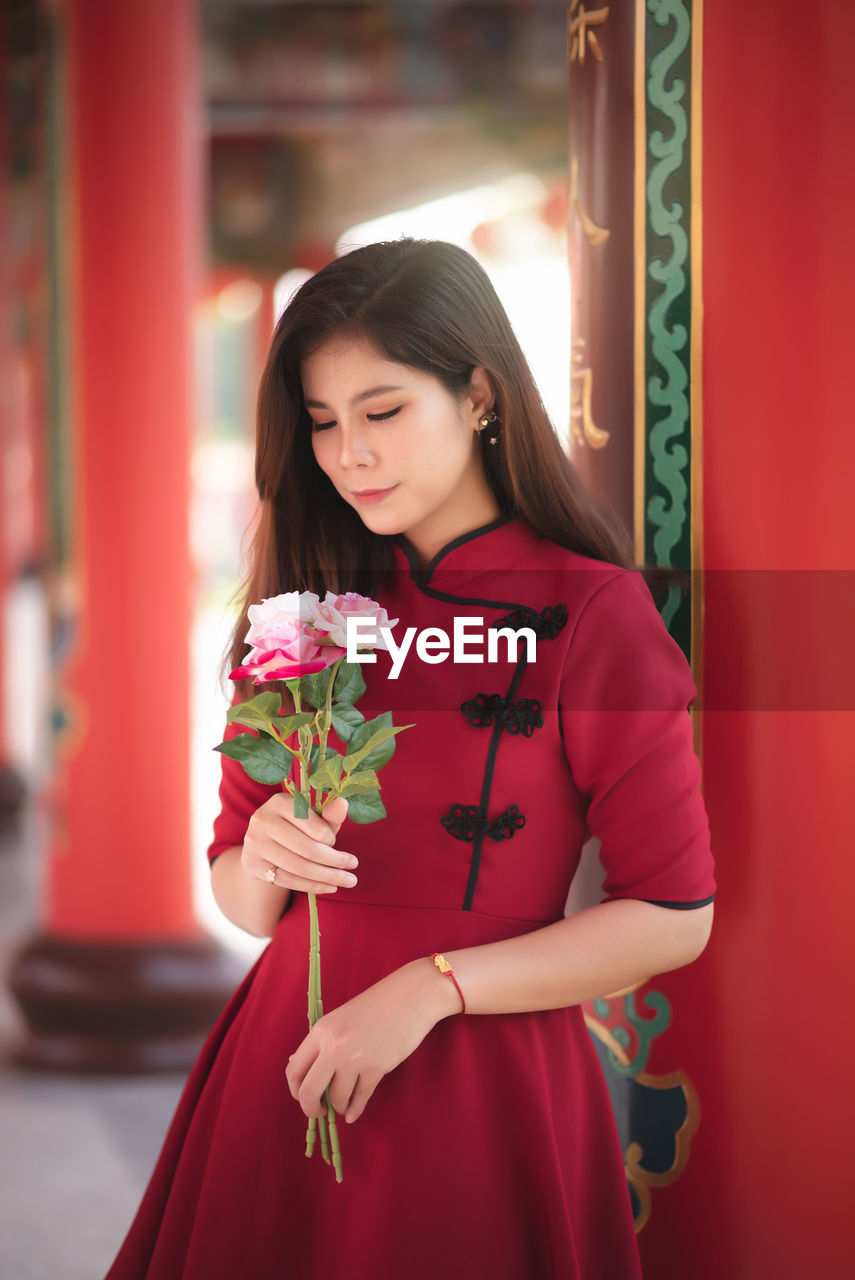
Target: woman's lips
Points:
(371, 495)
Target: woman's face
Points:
(396, 444)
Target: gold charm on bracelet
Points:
(445, 968)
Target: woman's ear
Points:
(481, 394)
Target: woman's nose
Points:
(353, 447)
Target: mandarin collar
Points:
(483, 545)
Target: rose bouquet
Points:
(302, 640)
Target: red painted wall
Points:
(768, 1188)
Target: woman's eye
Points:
(372, 417)
(381, 417)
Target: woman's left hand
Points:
(352, 1047)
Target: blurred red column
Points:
(770, 1185)
(123, 976)
(11, 784)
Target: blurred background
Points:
(171, 173)
(662, 193)
(319, 127)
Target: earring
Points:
(488, 420)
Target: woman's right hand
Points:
(300, 850)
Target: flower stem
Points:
(325, 1125)
(325, 1145)
(327, 721)
(314, 962)
(336, 1150)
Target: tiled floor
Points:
(75, 1152)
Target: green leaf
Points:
(289, 724)
(361, 783)
(373, 743)
(349, 684)
(346, 720)
(366, 808)
(313, 689)
(326, 776)
(257, 712)
(266, 705)
(301, 805)
(369, 727)
(264, 759)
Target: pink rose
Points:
(285, 646)
(331, 614)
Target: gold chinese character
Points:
(594, 235)
(580, 33)
(583, 429)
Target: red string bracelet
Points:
(444, 967)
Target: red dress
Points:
(491, 1153)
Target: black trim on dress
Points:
(521, 716)
(680, 906)
(419, 572)
(470, 822)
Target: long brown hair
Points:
(430, 305)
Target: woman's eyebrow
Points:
(363, 395)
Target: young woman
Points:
(403, 452)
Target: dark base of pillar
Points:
(119, 1007)
(13, 793)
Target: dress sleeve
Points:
(240, 796)
(625, 692)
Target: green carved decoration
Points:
(646, 1029)
(668, 303)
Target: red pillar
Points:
(12, 788)
(122, 975)
(770, 1186)
(136, 156)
